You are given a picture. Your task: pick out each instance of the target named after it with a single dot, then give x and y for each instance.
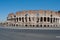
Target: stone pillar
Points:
(24, 20)
(42, 21)
(46, 19)
(31, 20)
(49, 21)
(16, 19)
(52, 20)
(39, 19)
(55, 20)
(27, 19)
(58, 20)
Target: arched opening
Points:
(22, 19)
(37, 25)
(44, 25)
(51, 25)
(37, 19)
(53, 19)
(33, 25)
(47, 25)
(41, 19)
(26, 25)
(44, 19)
(16, 24)
(40, 25)
(26, 17)
(48, 19)
(29, 19)
(19, 18)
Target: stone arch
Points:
(22, 19)
(19, 18)
(44, 19)
(41, 19)
(26, 25)
(41, 25)
(47, 25)
(48, 19)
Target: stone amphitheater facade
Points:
(34, 18)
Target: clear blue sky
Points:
(8, 6)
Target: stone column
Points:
(52, 20)
(49, 21)
(24, 21)
(39, 19)
(42, 21)
(16, 19)
(58, 20)
(30, 21)
(55, 20)
(46, 19)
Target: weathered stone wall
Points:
(33, 18)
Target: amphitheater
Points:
(34, 18)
